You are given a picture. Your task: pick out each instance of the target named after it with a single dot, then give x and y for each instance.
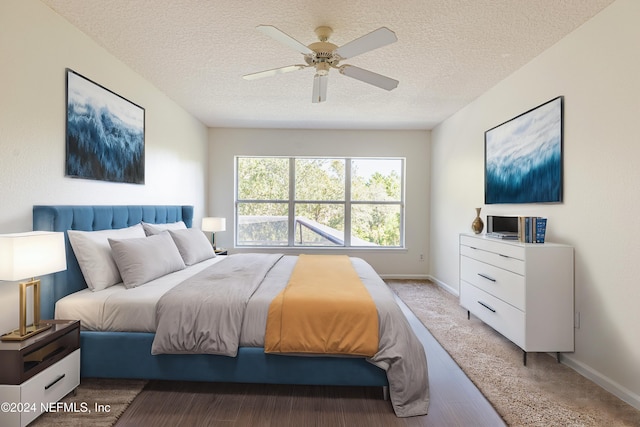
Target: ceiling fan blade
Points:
(319, 88)
(375, 39)
(284, 38)
(273, 72)
(369, 77)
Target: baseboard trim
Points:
(444, 286)
(405, 276)
(606, 383)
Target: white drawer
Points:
(502, 247)
(52, 384)
(502, 317)
(498, 259)
(10, 394)
(500, 283)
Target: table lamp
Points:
(214, 224)
(23, 256)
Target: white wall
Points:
(414, 145)
(36, 45)
(597, 69)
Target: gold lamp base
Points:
(31, 331)
(25, 331)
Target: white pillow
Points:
(94, 254)
(193, 245)
(144, 259)
(151, 229)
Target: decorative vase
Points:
(477, 225)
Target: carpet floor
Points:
(542, 393)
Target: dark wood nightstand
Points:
(38, 371)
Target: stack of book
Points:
(531, 229)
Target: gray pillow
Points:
(151, 229)
(193, 245)
(94, 254)
(144, 259)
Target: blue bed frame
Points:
(128, 354)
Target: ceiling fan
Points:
(323, 56)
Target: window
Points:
(319, 202)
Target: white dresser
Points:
(522, 290)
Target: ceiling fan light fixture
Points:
(322, 68)
(323, 56)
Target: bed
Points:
(127, 354)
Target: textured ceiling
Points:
(448, 53)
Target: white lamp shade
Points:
(32, 254)
(214, 224)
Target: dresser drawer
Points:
(498, 259)
(502, 247)
(500, 283)
(502, 317)
(52, 384)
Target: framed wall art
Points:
(104, 133)
(523, 157)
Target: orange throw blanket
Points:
(325, 308)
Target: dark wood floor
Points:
(455, 401)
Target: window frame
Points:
(291, 203)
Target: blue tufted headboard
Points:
(90, 218)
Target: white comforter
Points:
(120, 309)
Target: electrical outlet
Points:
(421, 257)
(576, 323)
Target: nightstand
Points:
(38, 371)
(220, 251)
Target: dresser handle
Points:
(484, 276)
(504, 256)
(47, 387)
(487, 306)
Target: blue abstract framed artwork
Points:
(105, 133)
(523, 157)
